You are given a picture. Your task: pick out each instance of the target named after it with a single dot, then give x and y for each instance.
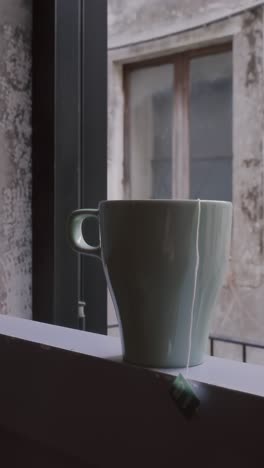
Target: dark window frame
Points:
(69, 159)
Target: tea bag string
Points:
(194, 286)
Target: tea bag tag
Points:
(184, 395)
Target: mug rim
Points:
(169, 201)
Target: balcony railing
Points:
(244, 344)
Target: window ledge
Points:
(248, 378)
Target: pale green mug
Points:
(148, 250)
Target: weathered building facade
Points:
(140, 31)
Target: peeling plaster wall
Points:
(131, 21)
(15, 157)
(240, 312)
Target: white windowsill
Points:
(225, 373)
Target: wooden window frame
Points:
(180, 137)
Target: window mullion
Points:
(180, 146)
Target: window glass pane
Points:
(150, 131)
(211, 127)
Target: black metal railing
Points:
(244, 344)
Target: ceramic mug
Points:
(148, 251)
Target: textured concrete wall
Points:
(240, 310)
(15, 157)
(139, 20)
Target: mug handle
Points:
(75, 234)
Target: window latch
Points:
(81, 315)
